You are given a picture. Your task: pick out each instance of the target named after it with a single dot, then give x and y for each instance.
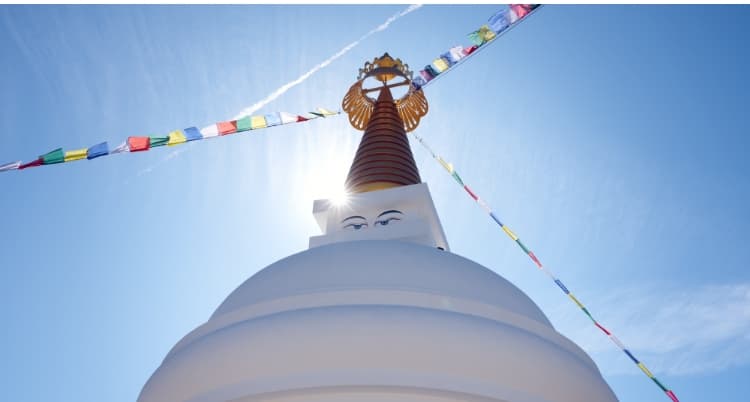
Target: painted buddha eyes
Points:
(384, 222)
(355, 226)
(357, 222)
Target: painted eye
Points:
(385, 222)
(355, 226)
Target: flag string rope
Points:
(483, 204)
(176, 137)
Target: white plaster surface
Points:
(376, 320)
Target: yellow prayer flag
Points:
(76, 154)
(446, 165)
(326, 112)
(176, 137)
(486, 33)
(440, 64)
(645, 370)
(257, 122)
(575, 300)
(510, 233)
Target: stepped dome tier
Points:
(376, 320)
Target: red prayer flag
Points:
(520, 9)
(227, 127)
(470, 50)
(300, 119)
(139, 143)
(34, 163)
(602, 328)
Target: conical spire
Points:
(383, 159)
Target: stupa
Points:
(378, 308)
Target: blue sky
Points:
(612, 139)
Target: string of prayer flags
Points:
(175, 137)
(513, 237)
(496, 25)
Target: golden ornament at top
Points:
(359, 106)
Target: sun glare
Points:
(339, 198)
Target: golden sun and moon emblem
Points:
(359, 106)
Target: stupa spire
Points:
(384, 158)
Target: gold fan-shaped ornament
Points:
(359, 106)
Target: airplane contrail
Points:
(281, 90)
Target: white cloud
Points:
(676, 332)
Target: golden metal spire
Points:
(383, 159)
(411, 107)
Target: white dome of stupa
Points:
(378, 309)
(376, 320)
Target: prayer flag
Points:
(176, 137)
(10, 166)
(192, 134)
(137, 144)
(34, 163)
(470, 50)
(243, 124)
(520, 10)
(227, 127)
(273, 119)
(439, 65)
(448, 59)
(426, 75)
(457, 53)
(210, 131)
(500, 21)
(317, 114)
(124, 147)
(75, 155)
(301, 119)
(257, 122)
(287, 118)
(432, 71)
(52, 157)
(158, 141)
(326, 112)
(418, 82)
(97, 151)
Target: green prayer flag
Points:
(158, 141)
(660, 384)
(243, 124)
(56, 156)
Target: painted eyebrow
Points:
(354, 217)
(390, 211)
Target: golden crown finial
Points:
(359, 106)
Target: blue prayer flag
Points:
(192, 134)
(97, 151)
(448, 58)
(418, 82)
(500, 21)
(273, 119)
